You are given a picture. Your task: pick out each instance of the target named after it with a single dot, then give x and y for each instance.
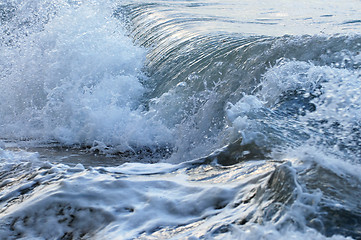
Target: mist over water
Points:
(180, 120)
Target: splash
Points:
(75, 78)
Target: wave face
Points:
(179, 120)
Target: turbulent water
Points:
(213, 119)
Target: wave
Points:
(251, 199)
(249, 136)
(76, 81)
(189, 95)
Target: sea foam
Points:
(75, 78)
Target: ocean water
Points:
(183, 119)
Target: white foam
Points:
(241, 116)
(309, 154)
(333, 91)
(148, 200)
(337, 89)
(11, 158)
(270, 232)
(79, 201)
(76, 81)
